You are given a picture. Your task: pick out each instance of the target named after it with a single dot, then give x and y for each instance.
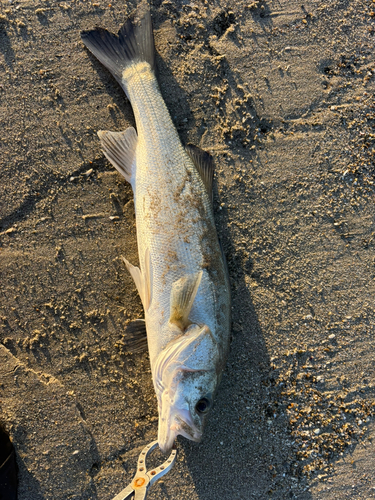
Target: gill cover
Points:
(185, 380)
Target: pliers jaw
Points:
(143, 478)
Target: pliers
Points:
(143, 478)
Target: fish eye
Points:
(203, 405)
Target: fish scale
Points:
(182, 277)
(158, 145)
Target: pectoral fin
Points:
(142, 280)
(183, 294)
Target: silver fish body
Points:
(182, 278)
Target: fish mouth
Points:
(177, 422)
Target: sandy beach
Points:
(282, 95)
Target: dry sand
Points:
(282, 93)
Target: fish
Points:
(182, 277)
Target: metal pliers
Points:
(143, 478)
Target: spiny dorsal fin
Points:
(204, 164)
(119, 148)
(183, 294)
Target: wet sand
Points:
(282, 94)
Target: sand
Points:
(282, 94)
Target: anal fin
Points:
(119, 148)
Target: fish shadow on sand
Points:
(6, 47)
(28, 485)
(122, 105)
(174, 96)
(246, 451)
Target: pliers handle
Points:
(143, 478)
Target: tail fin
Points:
(134, 43)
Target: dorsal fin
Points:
(204, 164)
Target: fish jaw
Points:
(173, 422)
(185, 375)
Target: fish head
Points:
(186, 377)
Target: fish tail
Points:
(133, 44)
